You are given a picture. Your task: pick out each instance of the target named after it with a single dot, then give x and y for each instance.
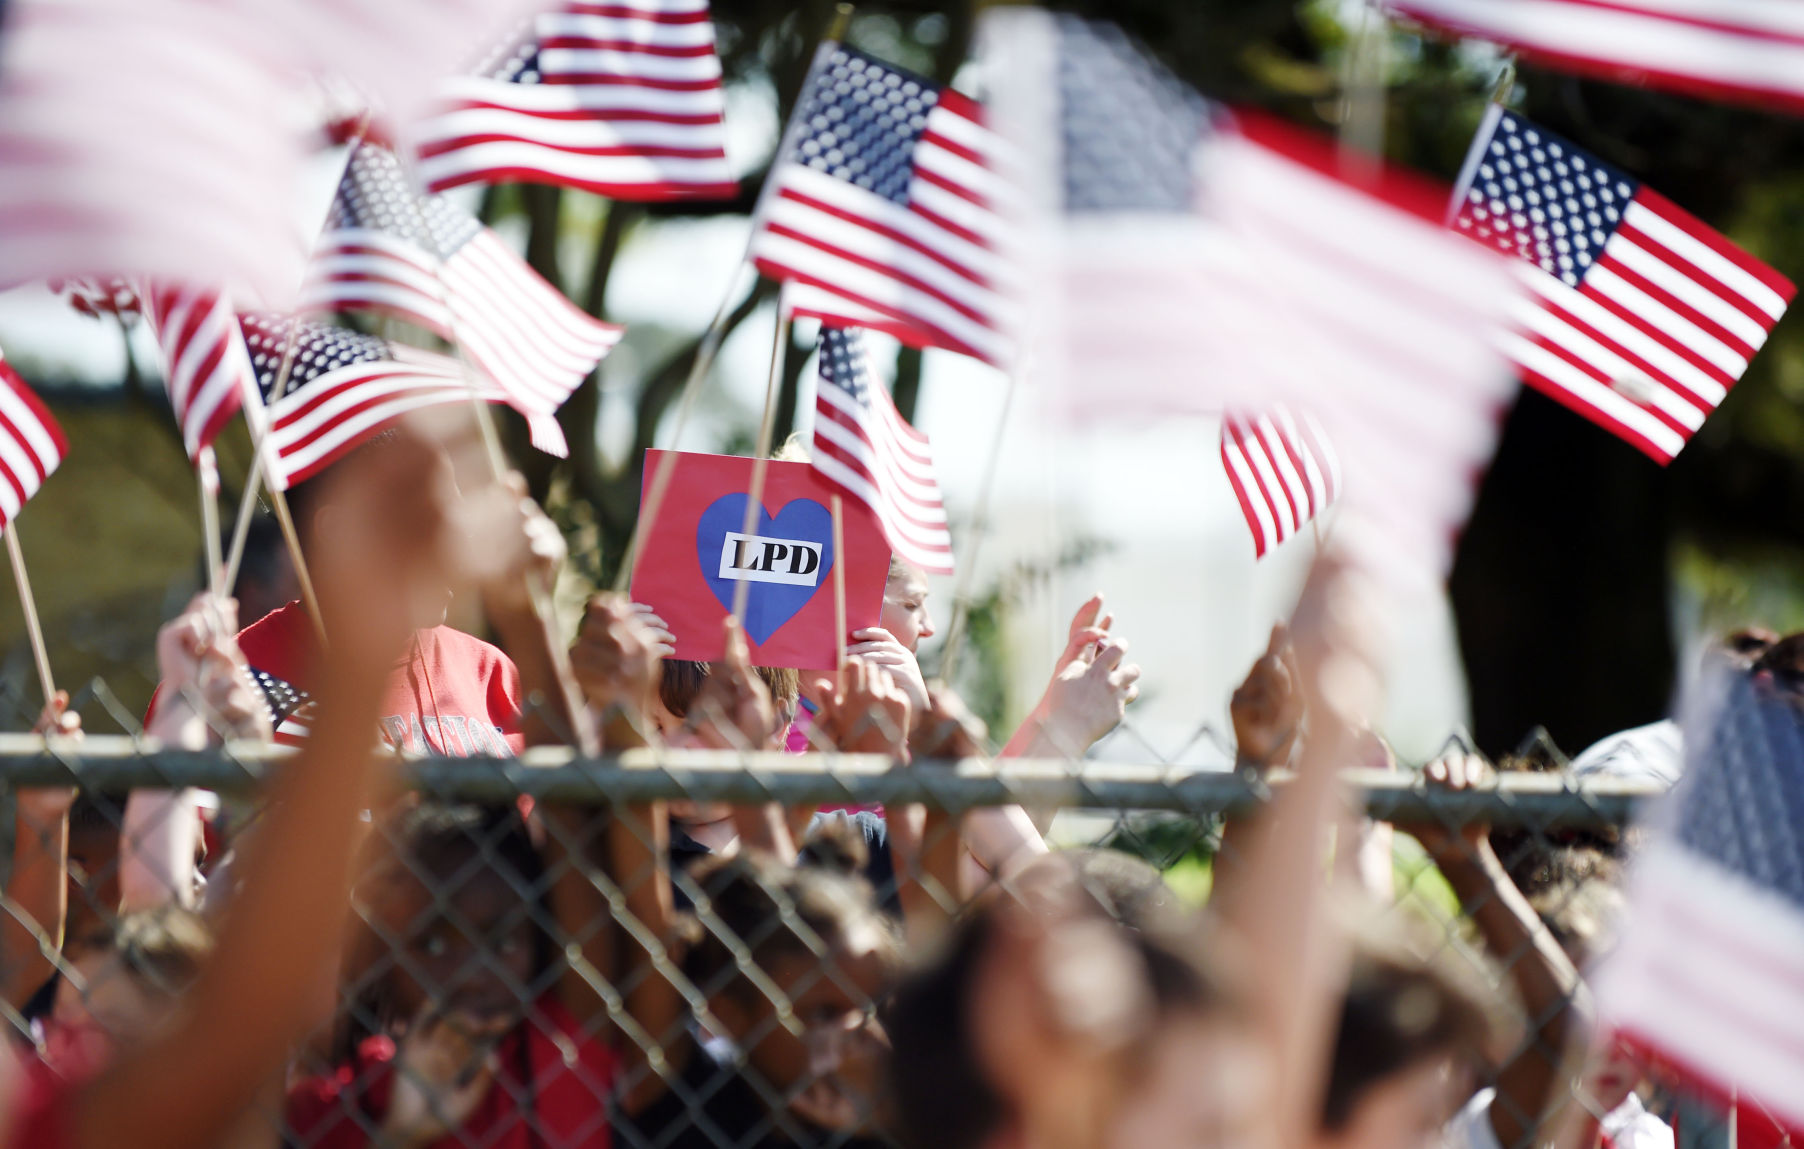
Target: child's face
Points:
(99, 1009)
(831, 1001)
(93, 879)
(471, 953)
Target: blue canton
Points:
(1537, 197)
(1742, 799)
(1129, 128)
(859, 122)
(843, 364)
(374, 195)
(319, 348)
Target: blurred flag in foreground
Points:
(864, 446)
(1180, 267)
(1637, 315)
(881, 210)
(623, 100)
(141, 138)
(1283, 470)
(1708, 977)
(1752, 52)
(205, 368)
(342, 387)
(425, 260)
(31, 444)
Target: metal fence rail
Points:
(1522, 800)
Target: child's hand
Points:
(616, 658)
(57, 718)
(444, 1066)
(948, 729)
(1268, 706)
(1090, 695)
(865, 712)
(880, 648)
(733, 709)
(204, 674)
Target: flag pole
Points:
(1362, 99)
(839, 585)
(29, 607)
(980, 522)
(660, 481)
(257, 419)
(207, 471)
(754, 498)
(704, 358)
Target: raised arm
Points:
(258, 994)
(1545, 978)
(1276, 900)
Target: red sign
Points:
(698, 553)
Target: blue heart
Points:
(768, 605)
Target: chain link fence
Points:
(501, 983)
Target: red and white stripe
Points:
(629, 105)
(205, 366)
(1283, 470)
(1709, 976)
(874, 455)
(928, 274)
(1747, 50)
(31, 444)
(146, 140)
(1657, 332)
(1356, 307)
(313, 427)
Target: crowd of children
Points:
(366, 966)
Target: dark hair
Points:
(683, 677)
(943, 1099)
(760, 900)
(96, 813)
(443, 845)
(264, 555)
(1399, 1012)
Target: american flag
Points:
(342, 388)
(1708, 974)
(429, 262)
(1748, 52)
(1283, 470)
(863, 446)
(146, 139)
(205, 368)
(620, 99)
(1179, 264)
(1636, 315)
(882, 209)
(95, 296)
(290, 708)
(31, 444)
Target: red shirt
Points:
(550, 1092)
(454, 694)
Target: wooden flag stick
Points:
(754, 498)
(28, 605)
(980, 522)
(207, 471)
(257, 419)
(660, 480)
(704, 358)
(839, 586)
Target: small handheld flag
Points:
(623, 100)
(1283, 470)
(428, 262)
(1637, 315)
(864, 446)
(882, 210)
(204, 363)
